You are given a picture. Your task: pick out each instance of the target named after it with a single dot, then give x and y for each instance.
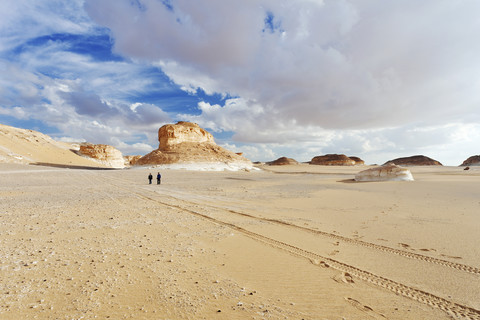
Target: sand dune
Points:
(293, 242)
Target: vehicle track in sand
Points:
(403, 253)
(454, 309)
(357, 242)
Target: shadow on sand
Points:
(350, 181)
(66, 166)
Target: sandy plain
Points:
(293, 242)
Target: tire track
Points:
(403, 253)
(453, 309)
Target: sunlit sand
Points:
(290, 242)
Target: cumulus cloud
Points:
(322, 65)
(302, 77)
(336, 64)
(56, 67)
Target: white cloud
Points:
(22, 20)
(377, 80)
(359, 76)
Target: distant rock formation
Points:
(31, 147)
(131, 160)
(333, 160)
(282, 161)
(414, 161)
(186, 142)
(471, 161)
(357, 160)
(103, 153)
(388, 172)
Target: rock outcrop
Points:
(471, 161)
(131, 160)
(388, 172)
(171, 135)
(186, 142)
(282, 161)
(32, 147)
(414, 161)
(333, 160)
(104, 154)
(357, 160)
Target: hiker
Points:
(150, 177)
(159, 178)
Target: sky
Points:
(269, 78)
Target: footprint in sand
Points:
(334, 252)
(365, 308)
(345, 277)
(319, 263)
(451, 257)
(404, 245)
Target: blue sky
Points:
(269, 78)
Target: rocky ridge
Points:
(417, 160)
(471, 161)
(31, 147)
(336, 160)
(282, 161)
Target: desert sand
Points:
(288, 242)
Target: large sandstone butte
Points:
(414, 161)
(282, 161)
(171, 135)
(336, 160)
(471, 161)
(103, 153)
(186, 142)
(388, 172)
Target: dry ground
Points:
(296, 242)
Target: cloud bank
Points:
(269, 78)
(348, 75)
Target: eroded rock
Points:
(103, 153)
(333, 160)
(282, 161)
(418, 160)
(388, 172)
(186, 142)
(471, 161)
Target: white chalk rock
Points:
(389, 172)
(103, 153)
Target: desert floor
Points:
(295, 242)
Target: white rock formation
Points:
(104, 154)
(187, 143)
(389, 172)
(183, 132)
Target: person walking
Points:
(150, 177)
(159, 178)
